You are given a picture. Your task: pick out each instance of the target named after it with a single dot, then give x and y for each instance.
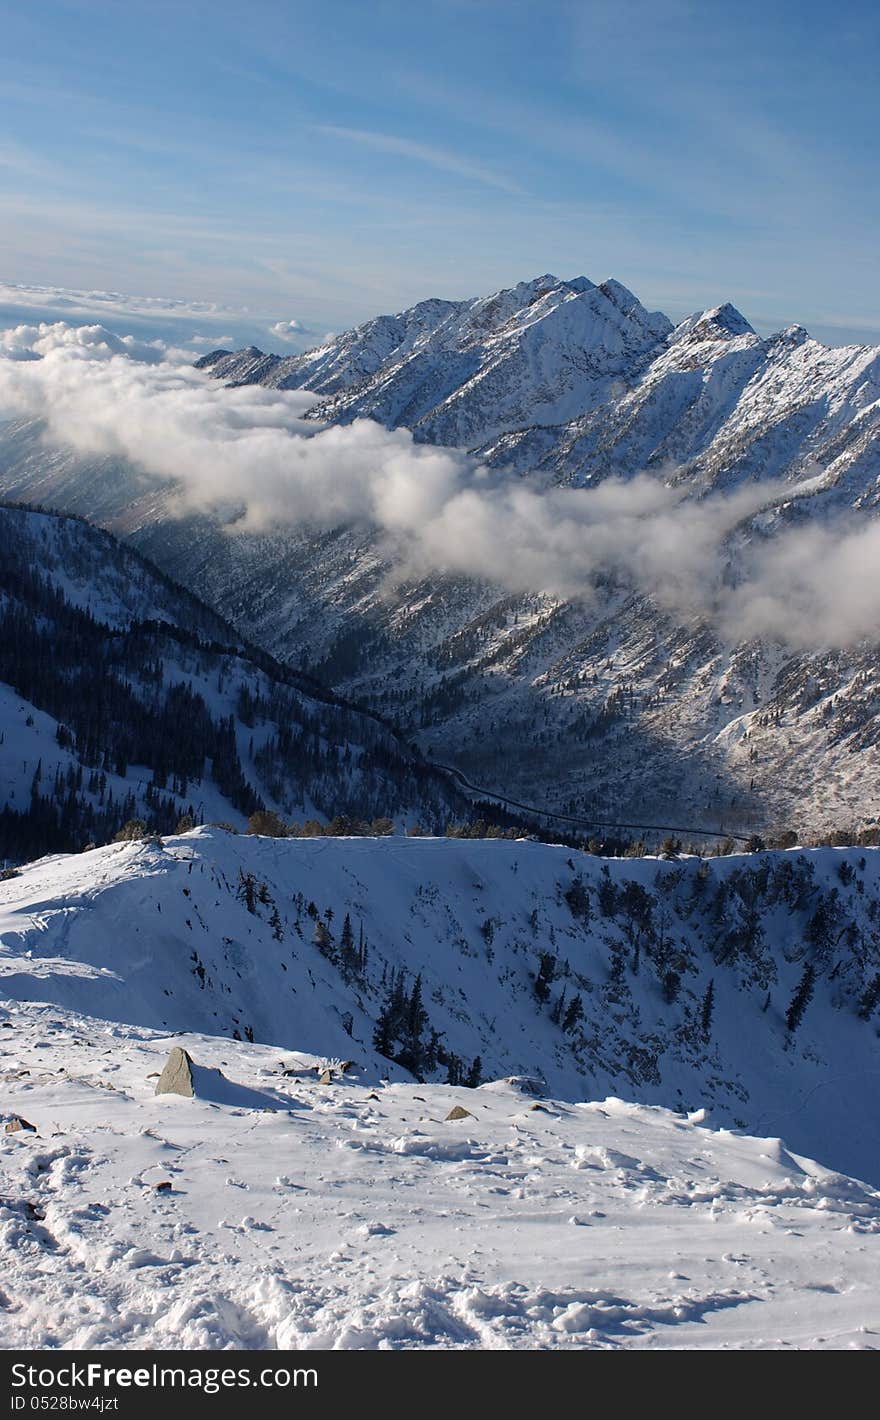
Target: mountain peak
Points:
(794, 335)
(716, 323)
(727, 318)
(619, 294)
(206, 361)
(538, 283)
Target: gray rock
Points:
(16, 1125)
(326, 1078)
(177, 1077)
(457, 1112)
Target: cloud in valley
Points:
(249, 456)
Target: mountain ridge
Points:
(418, 368)
(616, 709)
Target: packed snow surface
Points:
(345, 1216)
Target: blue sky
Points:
(324, 162)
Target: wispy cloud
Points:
(89, 302)
(185, 323)
(25, 162)
(423, 153)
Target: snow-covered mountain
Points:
(462, 372)
(123, 697)
(617, 710)
(720, 405)
(580, 381)
(721, 1003)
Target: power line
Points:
(490, 795)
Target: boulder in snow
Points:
(177, 1077)
(17, 1125)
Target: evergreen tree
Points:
(474, 1076)
(389, 1022)
(707, 1010)
(607, 894)
(362, 951)
(349, 955)
(574, 1013)
(801, 998)
(578, 899)
(383, 1032)
(431, 1055)
(819, 931)
(415, 1020)
(323, 941)
(401, 1022)
(247, 890)
(545, 977)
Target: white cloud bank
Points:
(287, 329)
(250, 449)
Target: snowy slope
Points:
(719, 406)
(172, 938)
(351, 1217)
(122, 695)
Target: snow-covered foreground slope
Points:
(347, 1216)
(663, 982)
